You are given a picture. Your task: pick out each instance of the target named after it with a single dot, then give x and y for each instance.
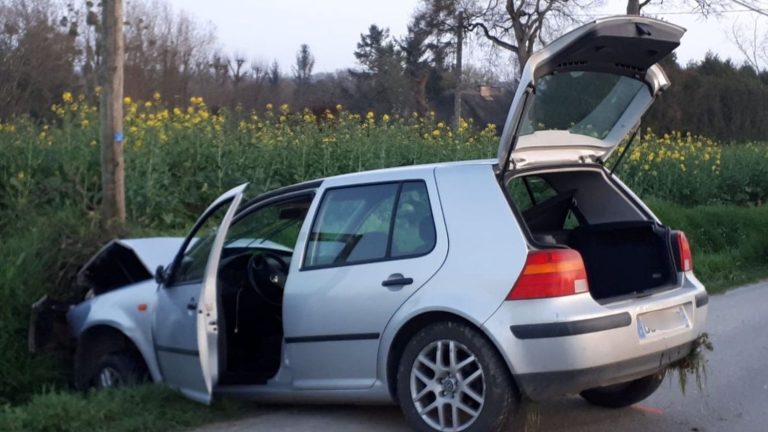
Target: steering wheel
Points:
(267, 272)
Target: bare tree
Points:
(37, 57)
(703, 7)
(753, 43)
(634, 6)
(519, 26)
(305, 62)
(274, 74)
(302, 72)
(235, 66)
(165, 50)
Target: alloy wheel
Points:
(109, 377)
(447, 386)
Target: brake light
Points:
(684, 250)
(550, 273)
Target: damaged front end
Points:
(120, 263)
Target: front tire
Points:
(451, 378)
(118, 369)
(624, 394)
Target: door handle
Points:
(192, 305)
(397, 279)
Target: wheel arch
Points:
(418, 322)
(96, 341)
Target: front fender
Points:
(128, 310)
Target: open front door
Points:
(185, 321)
(208, 307)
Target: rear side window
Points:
(527, 192)
(371, 223)
(414, 229)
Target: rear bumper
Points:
(542, 385)
(568, 344)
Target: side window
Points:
(365, 223)
(275, 226)
(352, 225)
(191, 268)
(414, 229)
(527, 192)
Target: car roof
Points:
(410, 168)
(355, 177)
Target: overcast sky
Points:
(273, 29)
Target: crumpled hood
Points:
(126, 261)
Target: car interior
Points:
(625, 251)
(252, 274)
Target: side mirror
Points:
(160, 274)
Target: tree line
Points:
(48, 47)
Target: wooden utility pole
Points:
(112, 137)
(458, 69)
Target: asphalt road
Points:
(734, 397)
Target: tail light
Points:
(550, 273)
(685, 259)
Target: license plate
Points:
(662, 321)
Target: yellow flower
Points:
(20, 175)
(463, 125)
(370, 115)
(156, 96)
(85, 123)
(127, 100)
(147, 104)
(385, 118)
(339, 107)
(436, 133)
(284, 108)
(269, 107)
(67, 97)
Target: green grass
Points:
(729, 244)
(145, 408)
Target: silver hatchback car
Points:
(453, 289)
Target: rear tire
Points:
(451, 378)
(624, 394)
(118, 369)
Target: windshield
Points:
(583, 103)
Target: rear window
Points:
(584, 103)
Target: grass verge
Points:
(729, 244)
(145, 408)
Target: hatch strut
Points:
(623, 152)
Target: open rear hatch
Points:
(581, 95)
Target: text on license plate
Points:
(662, 321)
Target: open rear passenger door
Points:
(582, 94)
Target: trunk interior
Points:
(625, 251)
